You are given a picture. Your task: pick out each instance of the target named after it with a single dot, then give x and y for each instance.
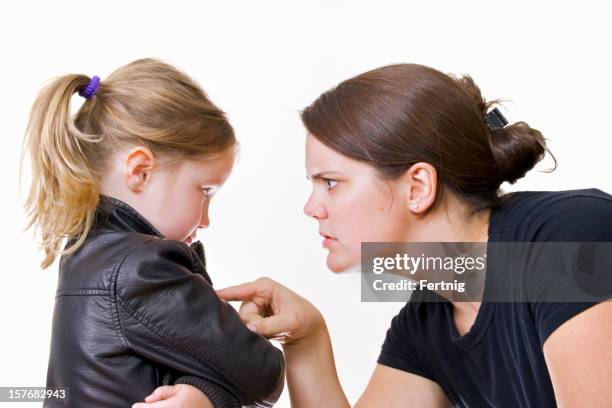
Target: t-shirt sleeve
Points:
(551, 315)
(575, 220)
(400, 349)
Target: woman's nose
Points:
(314, 208)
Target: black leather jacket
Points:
(134, 311)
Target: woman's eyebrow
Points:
(321, 175)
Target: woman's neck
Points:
(455, 222)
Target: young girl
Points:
(128, 182)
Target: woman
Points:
(417, 154)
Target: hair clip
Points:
(495, 119)
(92, 87)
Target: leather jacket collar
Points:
(117, 215)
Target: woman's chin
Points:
(337, 265)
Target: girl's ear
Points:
(138, 168)
(422, 181)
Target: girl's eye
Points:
(330, 183)
(208, 191)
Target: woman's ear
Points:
(139, 165)
(422, 181)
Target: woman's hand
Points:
(175, 396)
(275, 311)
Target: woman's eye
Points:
(329, 183)
(208, 191)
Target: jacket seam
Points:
(82, 292)
(113, 299)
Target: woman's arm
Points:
(392, 388)
(579, 359)
(311, 372)
(313, 382)
(275, 311)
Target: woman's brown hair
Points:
(146, 102)
(395, 116)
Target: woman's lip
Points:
(328, 241)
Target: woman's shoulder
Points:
(533, 203)
(569, 215)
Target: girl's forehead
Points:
(214, 169)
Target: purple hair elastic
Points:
(92, 87)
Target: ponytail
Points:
(64, 190)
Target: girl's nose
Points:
(314, 208)
(204, 220)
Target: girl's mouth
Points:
(190, 239)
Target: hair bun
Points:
(517, 148)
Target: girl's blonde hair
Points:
(146, 102)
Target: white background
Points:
(262, 62)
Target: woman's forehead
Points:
(320, 157)
(323, 159)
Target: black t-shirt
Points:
(500, 362)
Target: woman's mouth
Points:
(327, 240)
